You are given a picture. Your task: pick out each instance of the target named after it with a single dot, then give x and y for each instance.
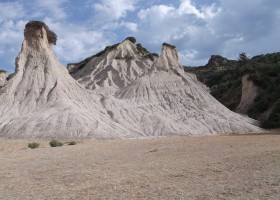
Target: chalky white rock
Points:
(112, 98)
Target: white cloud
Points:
(198, 30)
(11, 37)
(11, 10)
(167, 23)
(186, 7)
(249, 26)
(108, 10)
(76, 42)
(211, 11)
(53, 8)
(11, 32)
(226, 28)
(75, 47)
(157, 11)
(129, 25)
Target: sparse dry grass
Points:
(220, 167)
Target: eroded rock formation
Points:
(146, 98)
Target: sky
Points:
(198, 28)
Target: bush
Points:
(243, 58)
(72, 143)
(141, 49)
(55, 143)
(169, 45)
(52, 37)
(273, 120)
(131, 39)
(33, 145)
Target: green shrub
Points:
(72, 143)
(141, 49)
(131, 39)
(169, 45)
(55, 143)
(33, 145)
(273, 120)
(226, 84)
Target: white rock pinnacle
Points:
(41, 99)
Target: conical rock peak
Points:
(116, 66)
(145, 98)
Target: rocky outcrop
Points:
(249, 92)
(3, 77)
(115, 66)
(169, 59)
(147, 98)
(217, 61)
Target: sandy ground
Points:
(218, 167)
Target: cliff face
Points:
(147, 98)
(249, 92)
(217, 61)
(3, 78)
(250, 87)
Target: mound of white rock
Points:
(146, 98)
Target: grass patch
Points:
(72, 143)
(55, 143)
(33, 145)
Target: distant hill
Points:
(224, 78)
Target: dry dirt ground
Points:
(217, 167)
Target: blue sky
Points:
(199, 28)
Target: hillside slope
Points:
(41, 99)
(163, 100)
(225, 82)
(117, 65)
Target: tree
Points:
(243, 58)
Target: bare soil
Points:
(217, 167)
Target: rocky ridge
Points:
(124, 63)
(146, 98)
(248, 86)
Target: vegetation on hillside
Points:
(225, 84)
(2, 71)
(169, 45)
(131, 39)
(145, 52)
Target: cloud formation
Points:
(106, 11)
(225, 27)
(198, 28)
(11, 10)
